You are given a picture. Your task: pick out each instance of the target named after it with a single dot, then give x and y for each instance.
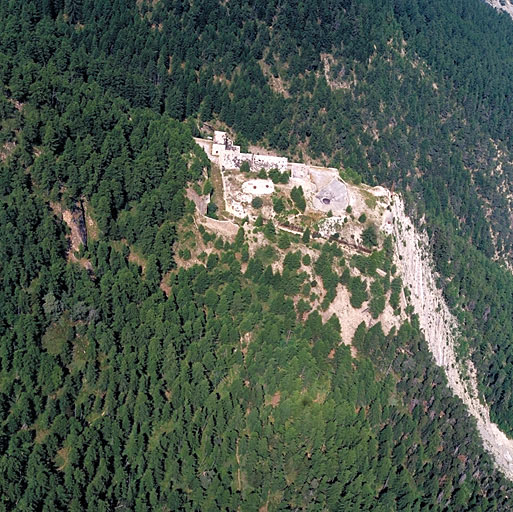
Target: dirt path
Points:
(164, 284)
(289, 230)
(237, 457)
(440, 329)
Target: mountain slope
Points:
(441, 330)
(190, 367)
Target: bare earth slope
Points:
(504, 5)
(440, 329)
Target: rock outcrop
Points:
(502, 5)
(440, 329)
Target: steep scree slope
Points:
(440, 329)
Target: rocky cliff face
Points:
(503, 5)
(441, 329)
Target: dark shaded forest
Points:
(114, 395)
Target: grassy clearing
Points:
(138, 259)
(218, 193)
(79, 353)
(370, 199)
(61, 460)
(266, 254)
(57, 335)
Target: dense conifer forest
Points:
(130, 386)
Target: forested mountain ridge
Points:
(141, 385)
(416, 96)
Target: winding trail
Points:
(441, 329)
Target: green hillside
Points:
(162, 366)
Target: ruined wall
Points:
(220, 137)
(299, 171)
(204, 144)
(258, 187)
(233, 159)
(217, 149)
(268, 162)
(222, 151)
